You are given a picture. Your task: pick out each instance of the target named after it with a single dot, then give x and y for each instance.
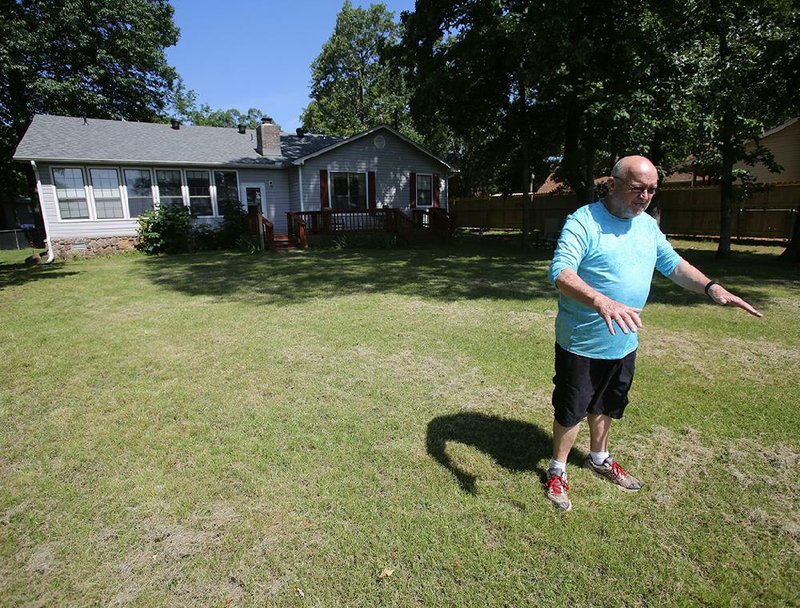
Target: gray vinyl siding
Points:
(392, 164)
(294, 188)
(74, 229)
(278, 201)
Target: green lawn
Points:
(226, 429)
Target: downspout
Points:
(50, 254)
(302, 202)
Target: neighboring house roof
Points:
(302, 159)
(64, 138)
(785, 156)
(551, 186)
(779, 128)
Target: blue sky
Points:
(255, 53)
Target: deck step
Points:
(281, 242)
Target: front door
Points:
(254, 194)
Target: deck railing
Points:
(387, 220)
(435, 221)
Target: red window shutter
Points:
(372, 201)
(323, 189)
(413, 187)
(435, 186)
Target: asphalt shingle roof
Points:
(65, 138)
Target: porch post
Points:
(323, 189)
(372, 202)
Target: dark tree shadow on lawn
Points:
(466, 270)
(21, 273)
(445, 274)
(515, 445)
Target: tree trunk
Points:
(792, 252)
(571, 165)
(526, 169)
(588, 162)
(726, 187)
(526, 196)
(726, 145)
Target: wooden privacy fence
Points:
(767, 213)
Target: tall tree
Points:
(467, 64)
(93, 58)
(744, 62)
(555, 82)
(354, 86)
(587, 83)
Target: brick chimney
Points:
(268, 138)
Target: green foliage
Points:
(247, 243)
(204, 237)
(94, 58)
(234, 225)
(522, 85)
(186, 109)
(744, 62)
(167, 229)
(354, 84)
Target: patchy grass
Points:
(232, 430)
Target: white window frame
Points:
(214, 199)
(416, 194)
(127, 194)
(125, 215)
(366, 189)
(89, 206)
(158, 188)
(189, 197)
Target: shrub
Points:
(165, 230)
(205, 238)
(234, 224)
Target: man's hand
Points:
(722, 296)
(626, 317)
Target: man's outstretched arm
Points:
(689, 277)
(626, 317)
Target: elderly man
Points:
(603, 266)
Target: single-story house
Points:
(95, 177)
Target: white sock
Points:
(598, 457)
(555, 464)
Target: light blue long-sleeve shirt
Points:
(617, 258)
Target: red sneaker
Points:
(556, 488)
(613, 472)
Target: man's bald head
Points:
(628, 165)
(633, 184)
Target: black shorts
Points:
(590, 386)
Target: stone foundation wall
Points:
(90, 247)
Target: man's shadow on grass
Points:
(515, 445)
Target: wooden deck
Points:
(424, 225)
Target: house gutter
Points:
(50, 254)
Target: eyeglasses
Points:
(639, 190)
